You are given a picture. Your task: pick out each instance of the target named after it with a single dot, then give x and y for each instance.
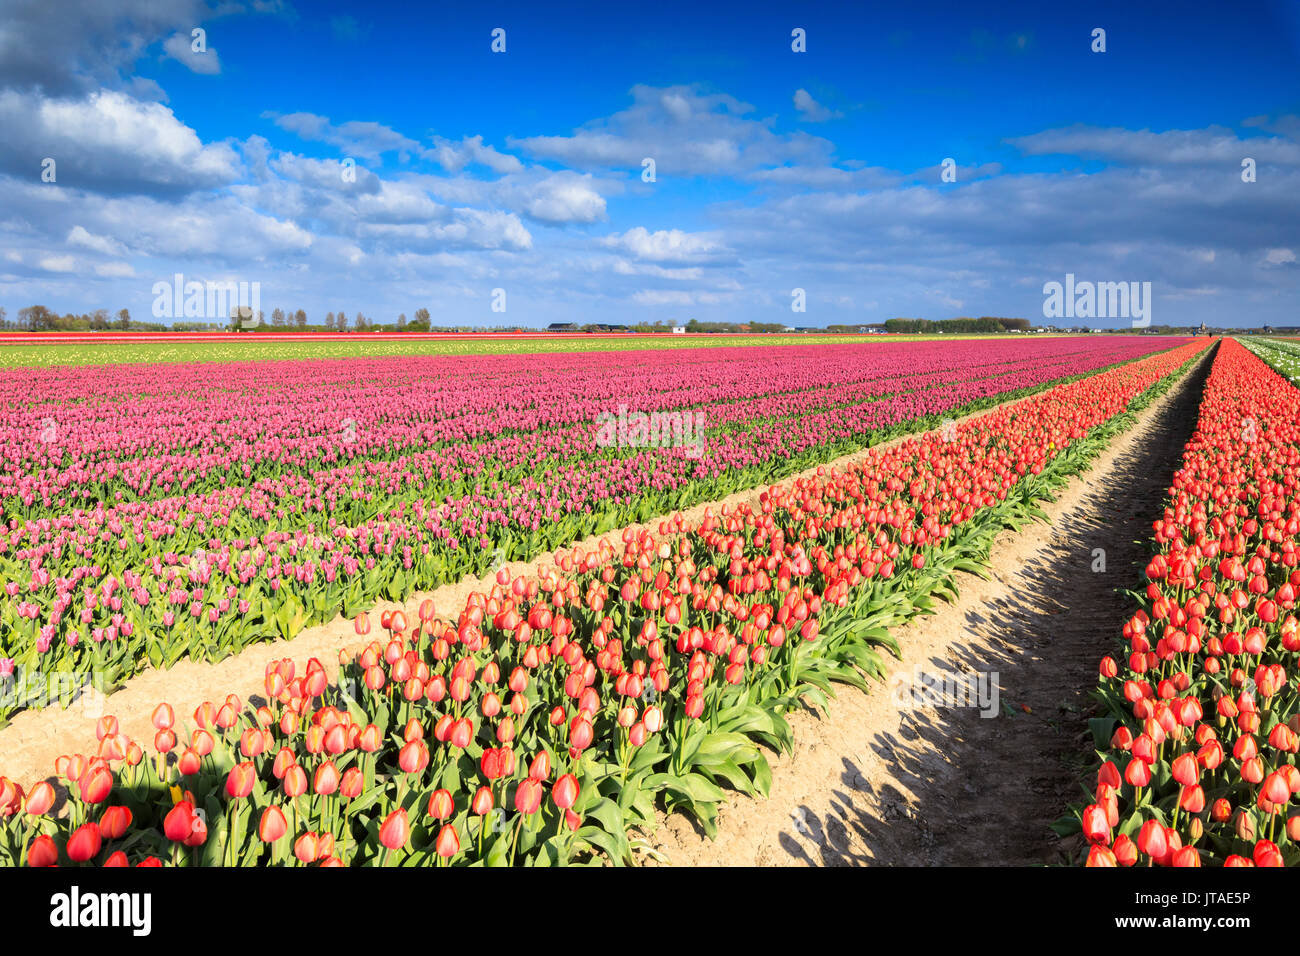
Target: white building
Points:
(679, 330)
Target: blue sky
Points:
(775, 170)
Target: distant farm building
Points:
(679, 330)
(561, 327)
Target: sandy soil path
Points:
(873, 783)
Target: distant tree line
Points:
(985, 323)
(38, 318)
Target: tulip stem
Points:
(514, 840)
(230, 832)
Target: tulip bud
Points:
(528, 796)
(441, 805)
(114, 822)
(395, 830)
(352, 784)
(1151, 839)
(448, 843)
(1096, 825)
(40, 799)
(1126, 852)
(306, 848)
(272, 825)
(84, 843)
(43, 852)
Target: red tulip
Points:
(1126, 852)
(395, 830)
(413, 757)
(1276, 789)
(84, 843)
(352, 783)
(326, 780)
(272, 825)
(164, 718)
(294, 782)
(189, 763)
(1267, 854)
(1151, 839)
(96, 784)
(1100, 855)
(565, 791)
(448, 843)
(441, 805)
(306, 848)
(540, 768)
(40, 799)
(198, 832)
(114, 822)
(528, 796)
(1096, 825)
(240, 780)
(179, 822)
(43, 852)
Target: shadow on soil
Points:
(986, 790)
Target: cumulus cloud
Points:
(566, 198)
(112, 142)
(667, 245)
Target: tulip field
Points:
(201, 508)
(1202, 721)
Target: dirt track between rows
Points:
(873, 783)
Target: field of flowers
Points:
(552, 717)
(1203, 719)
(108, 348)
(157, 512)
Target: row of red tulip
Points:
(555, 716)
(1202, 722)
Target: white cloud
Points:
(111, 142)
(454, 157)
(667, 245)
(353, 138)
(78, 236)
(813, 112)
(1214, 145)
(566, 198)
(59, 264)
(686, 132)
(115, 270)
(180, 47)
